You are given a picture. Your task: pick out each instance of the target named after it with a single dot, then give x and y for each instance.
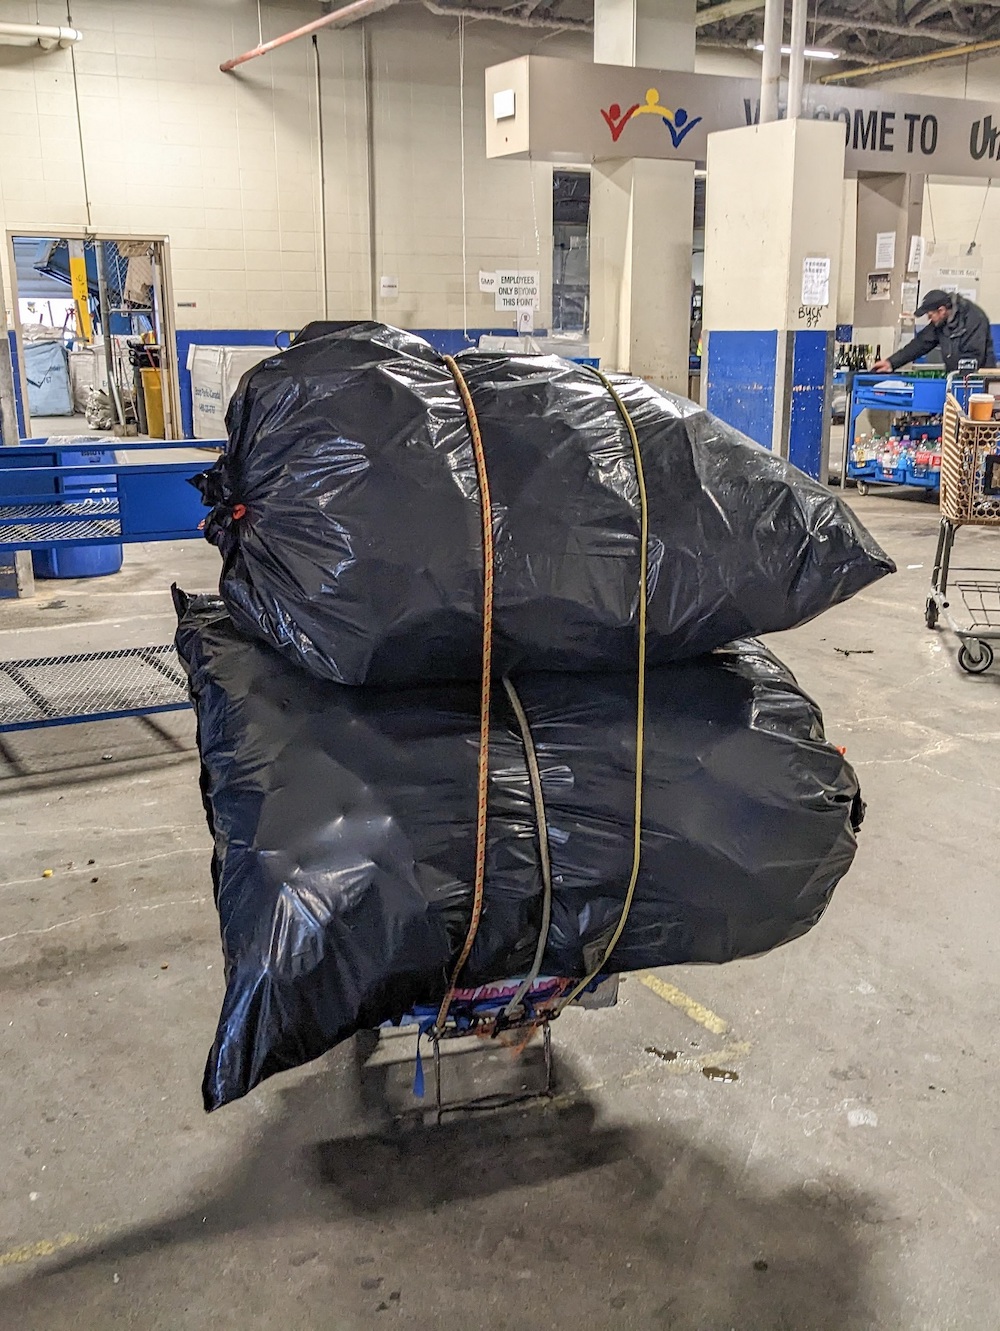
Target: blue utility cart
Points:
(910, 453)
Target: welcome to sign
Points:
(571, 111)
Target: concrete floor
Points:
(846, 1181)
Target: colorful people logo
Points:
(679, 124)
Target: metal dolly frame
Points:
(500, 1100)
(143, 502)
(488, 1020)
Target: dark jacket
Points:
(966, 335)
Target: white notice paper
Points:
(516, 289)
(487, 281)
(526, 319)
(908, 301)
(816, 281)
(885, 249)
(388, 288)
(879, 286)
(916, 260)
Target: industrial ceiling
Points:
(867, 33)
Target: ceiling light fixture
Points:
(811, 52)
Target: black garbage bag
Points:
(344, 832)
(347, 511)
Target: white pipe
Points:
(770, 73)
(338, 18)
(26, 34)
(797, 59)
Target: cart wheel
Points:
(863, 488)
(976, 664)
(931, 613)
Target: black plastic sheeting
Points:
(344, 832)
(360, 554)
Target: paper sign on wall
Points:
(526, 319)
(388, 288)
(880, 286)
(517, 289)
(816, 281)
(916, 259)
(908, 301)
(885, 249)
(487, 282)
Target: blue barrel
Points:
(81, 561)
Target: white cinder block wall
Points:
(227, 165)
(418, 171)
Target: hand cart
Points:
(487, 1012)
(910, 453)
(970, 497)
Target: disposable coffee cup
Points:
(981, 406)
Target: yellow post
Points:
(81, 294)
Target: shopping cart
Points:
(970, 497)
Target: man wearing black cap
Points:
(960, 329)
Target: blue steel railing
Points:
(135, 501)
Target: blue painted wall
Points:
(808, 399)
(741, 376)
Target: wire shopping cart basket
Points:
(970, 497)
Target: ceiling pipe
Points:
(916, 30)
(736, 44)
(953, 53)
(339, 18)
(520, 20)
(770, 69)
(727, 9)
(47, 37)
(797, 59)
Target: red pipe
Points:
(348, 14)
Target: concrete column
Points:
(888, 203)
(642, 212)
(775, 199)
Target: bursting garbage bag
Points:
(348, 515)
(344, 826)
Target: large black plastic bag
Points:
(344, 832)
(359, 553)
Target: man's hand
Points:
(882, 367)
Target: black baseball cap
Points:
(934, 300)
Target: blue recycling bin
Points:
(82, 561)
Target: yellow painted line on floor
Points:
(33, 1252)
(684, 1003)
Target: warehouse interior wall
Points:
(147, 136)
(957, 211)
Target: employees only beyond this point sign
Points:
(516, 290)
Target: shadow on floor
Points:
(536, 1217)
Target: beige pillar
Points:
(642, 212)
(770, 313)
